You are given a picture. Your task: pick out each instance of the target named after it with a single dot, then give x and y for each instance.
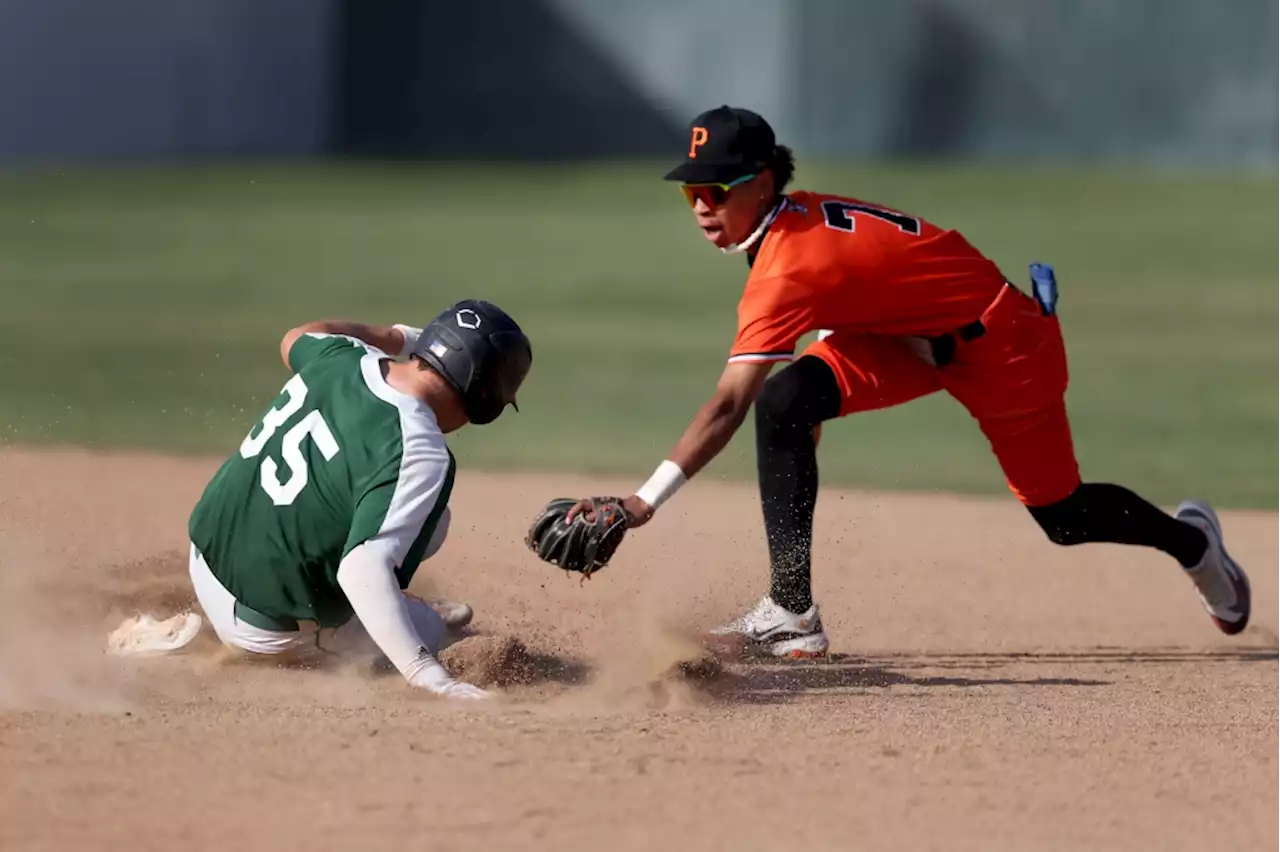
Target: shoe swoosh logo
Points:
(795, 630)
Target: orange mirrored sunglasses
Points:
(712, 194)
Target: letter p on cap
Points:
(698, 139)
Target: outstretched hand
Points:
(638, 511)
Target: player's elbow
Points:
(294, 334)
(727, 409)
(286, 343)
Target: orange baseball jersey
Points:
(833, 263)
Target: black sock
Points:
(789, 406)
(1102, 512)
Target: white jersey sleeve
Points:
(368, 580)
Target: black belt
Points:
(262, 621)
(944, 346)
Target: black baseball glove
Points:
(585, 544)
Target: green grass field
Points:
(142, 308)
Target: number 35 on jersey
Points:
(283, 491)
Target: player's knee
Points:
(775, 404)
(1063, 522)
(794, 401)
(438, 535)
(427, 622)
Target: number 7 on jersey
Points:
(839, 215)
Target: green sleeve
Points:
(314, 345)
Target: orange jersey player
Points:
(903, 308)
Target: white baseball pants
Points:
(219, 607)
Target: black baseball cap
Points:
(725, 143)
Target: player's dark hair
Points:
(783, 166)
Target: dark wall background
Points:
(501, 78)
(1158, 80)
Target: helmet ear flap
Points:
(481, 408)
(454, 363)
(516, 356)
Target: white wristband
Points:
(666, 481)
(411, 336)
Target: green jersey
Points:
(339, 459)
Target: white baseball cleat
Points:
(1220, 581)
(455, 614)
(146, 636)
(772, 630)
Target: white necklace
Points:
(757, 233)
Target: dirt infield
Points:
(986, 690)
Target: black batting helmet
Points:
(482, 352)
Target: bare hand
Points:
(638, 511)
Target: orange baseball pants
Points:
(1012, 380)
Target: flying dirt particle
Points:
(688, 682)
(506, 661)
(489, 661)
(663, 667)
(703, 669)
